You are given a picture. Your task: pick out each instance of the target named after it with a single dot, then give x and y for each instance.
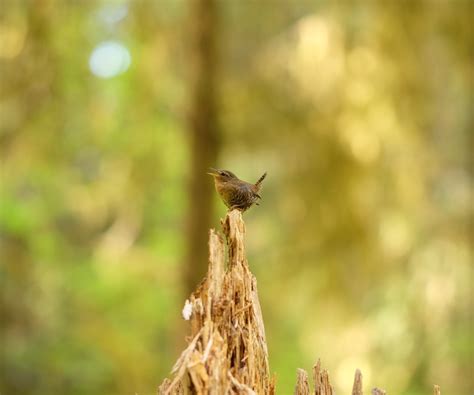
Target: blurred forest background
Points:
(360, 112)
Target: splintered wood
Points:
(227, 353)
(322, 386)
(302, 385)
(357, 387)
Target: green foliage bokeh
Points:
(360, 114)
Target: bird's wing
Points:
(242, 196)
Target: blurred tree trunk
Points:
(204, 139)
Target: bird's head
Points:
(221, 175)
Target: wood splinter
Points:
(228, 351)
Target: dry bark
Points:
(322, 386)
(227, 353)
(302, 385)
(357, 387)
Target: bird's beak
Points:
(212, 172)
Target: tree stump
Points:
(227, 351)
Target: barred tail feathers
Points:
(257, 184)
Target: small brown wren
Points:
(235, 193)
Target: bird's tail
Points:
(257, 184)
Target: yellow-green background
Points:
(360, 112)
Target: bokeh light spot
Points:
(395, 234)
(113, 13)
(109, 59)
(12, 39)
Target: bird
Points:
(236, 193)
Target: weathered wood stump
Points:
(227, 351)
(322, 386)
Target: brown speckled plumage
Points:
(235, 193)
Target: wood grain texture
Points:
(357, 387)
(227, 351)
